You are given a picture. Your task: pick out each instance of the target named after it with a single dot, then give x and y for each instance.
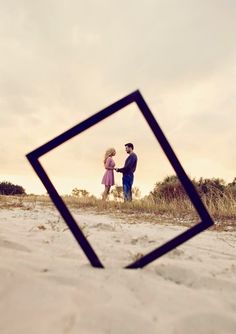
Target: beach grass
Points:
(175, 211)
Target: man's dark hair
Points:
(130, 145)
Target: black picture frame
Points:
(205, 219)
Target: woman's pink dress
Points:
(108, 178)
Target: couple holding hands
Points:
(128, 172)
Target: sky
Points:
(63, 61)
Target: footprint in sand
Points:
(104, 227)
(191, 279)
(206, 323)
(142, 240)
(13, 245)
(176, 274)
(175, 253)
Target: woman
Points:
(108, 178)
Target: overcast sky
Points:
(62, 61)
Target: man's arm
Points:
(129, 162)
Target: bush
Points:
(231, 189)
(210, 190)
(80, 192)
(7, 188)
(117, 193)
(136, 193)
(169, 189)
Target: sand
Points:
(48, 286)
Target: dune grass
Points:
(181, 212)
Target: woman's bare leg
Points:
(106, 192)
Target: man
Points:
(128, 171)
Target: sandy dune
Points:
(47, 285)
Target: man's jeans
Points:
(127, 186)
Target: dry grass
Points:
(178, 212)
(25, 202)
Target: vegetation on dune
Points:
(210, 190)
(8, 188)
(167, 199)
(219, 197)
(80, 192)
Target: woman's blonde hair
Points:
(108, 153)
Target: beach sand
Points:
(48, 286)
